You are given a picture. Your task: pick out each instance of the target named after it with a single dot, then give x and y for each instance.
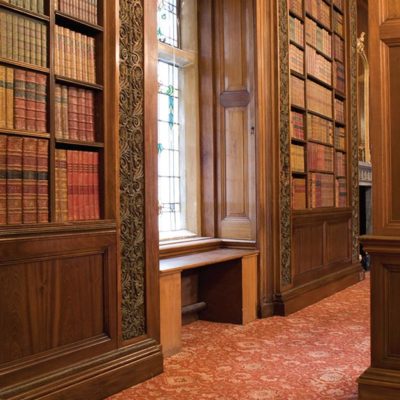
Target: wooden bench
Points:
(227, 285)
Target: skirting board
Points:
(379, 384)
(295, 299)
(94, 379)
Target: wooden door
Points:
(235, 119)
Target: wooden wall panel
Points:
(50, 303)
(338, 239)
(393, 8)
(235, 120)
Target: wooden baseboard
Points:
(93, 379)
(266, 310)
(379, 384)
(302, 296)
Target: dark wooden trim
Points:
(24, 11)
(239, 98)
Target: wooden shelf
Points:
(339, 94)
(321, 53)
(298, 173)
(319, 81)
(320, 115)
(319, 142)
(343, 124)
(23, 11)
(298, 108)
(298, 140)
(318, 22)
(340, 150)
(79, 143)
(77, 24)
(24, 65)
(300, 46)
(75, 82)
(297, 74)
(16, 132)
(321, 171)
(336, 8)
(294, 14)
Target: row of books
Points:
(296, 30)
(339, 77)
(24, 197)
(297, 91)
(297, 158)
(296, 6)
(319, 99)
(74, 113)
(338, 23)
(321, 190)
(339, 111)
(341, 192)
(299, 189)
(77, 185)
(23, 98)
(23, 39)
(319, 10)
(319, 129)
(338, 48)
(36, 6)
(319, 157)
(297, 125)
(75, 55)
(318, 66)
(86, 10)
(340, 138)
(340, 164)
(296, 59)
(318, 37)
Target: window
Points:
(178, 138)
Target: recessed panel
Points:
(392, 295)
(338, 241)
(393, 8)
(50, 303)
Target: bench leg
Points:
(249, 288)
(170, 313)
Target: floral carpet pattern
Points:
(315, 354)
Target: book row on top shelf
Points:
(317, 65)
(51, 127)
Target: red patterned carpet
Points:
(315, 354)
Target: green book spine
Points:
(27, 46)
(58, 112)
(14, 47)
(10, 97)
(44, 44)
(2, 96)
(20, 99)
(32, 42)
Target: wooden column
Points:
(382, 379)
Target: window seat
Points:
(227, 290)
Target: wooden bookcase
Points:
(52, 17)
(319, 141)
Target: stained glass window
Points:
(168, 22)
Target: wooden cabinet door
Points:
(235, 120)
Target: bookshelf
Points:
(51, 112)
(318, 87)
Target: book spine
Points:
(40, 6)
(34, 5)
(15, 47)
(80, 186)
(9, 88)
(14, 180)
(38, 43)
(32, 42)
(81, 117)
(27, 46)
(3, 179)
(96, 191)
(65, 112)
(58, 112)
(91, 60)
(9, 35)
(75, 185)
(3, 34)
(79, 58)
(61, 186)
(57, 50)
(84, 51)
(29, 183)
(20, 99)
(73, 113)
(30, 101)
(67, 52)
(41, 100)
(70, 186)
(89, 116)
(43, 181)
(3, 119)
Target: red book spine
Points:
(75, 185)
(70, 187)
(90, 170)
(30, 101)
(73, 113)
(20, 99)
(14, 180)
(29, 184)
(89, 116)
(43, 180)
(96, 185)
(86, 184)
(41, 98)
(3, 179)
(81, 115)
(80, 183)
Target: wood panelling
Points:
(235, 120)
(338, 241)
(393, 8)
